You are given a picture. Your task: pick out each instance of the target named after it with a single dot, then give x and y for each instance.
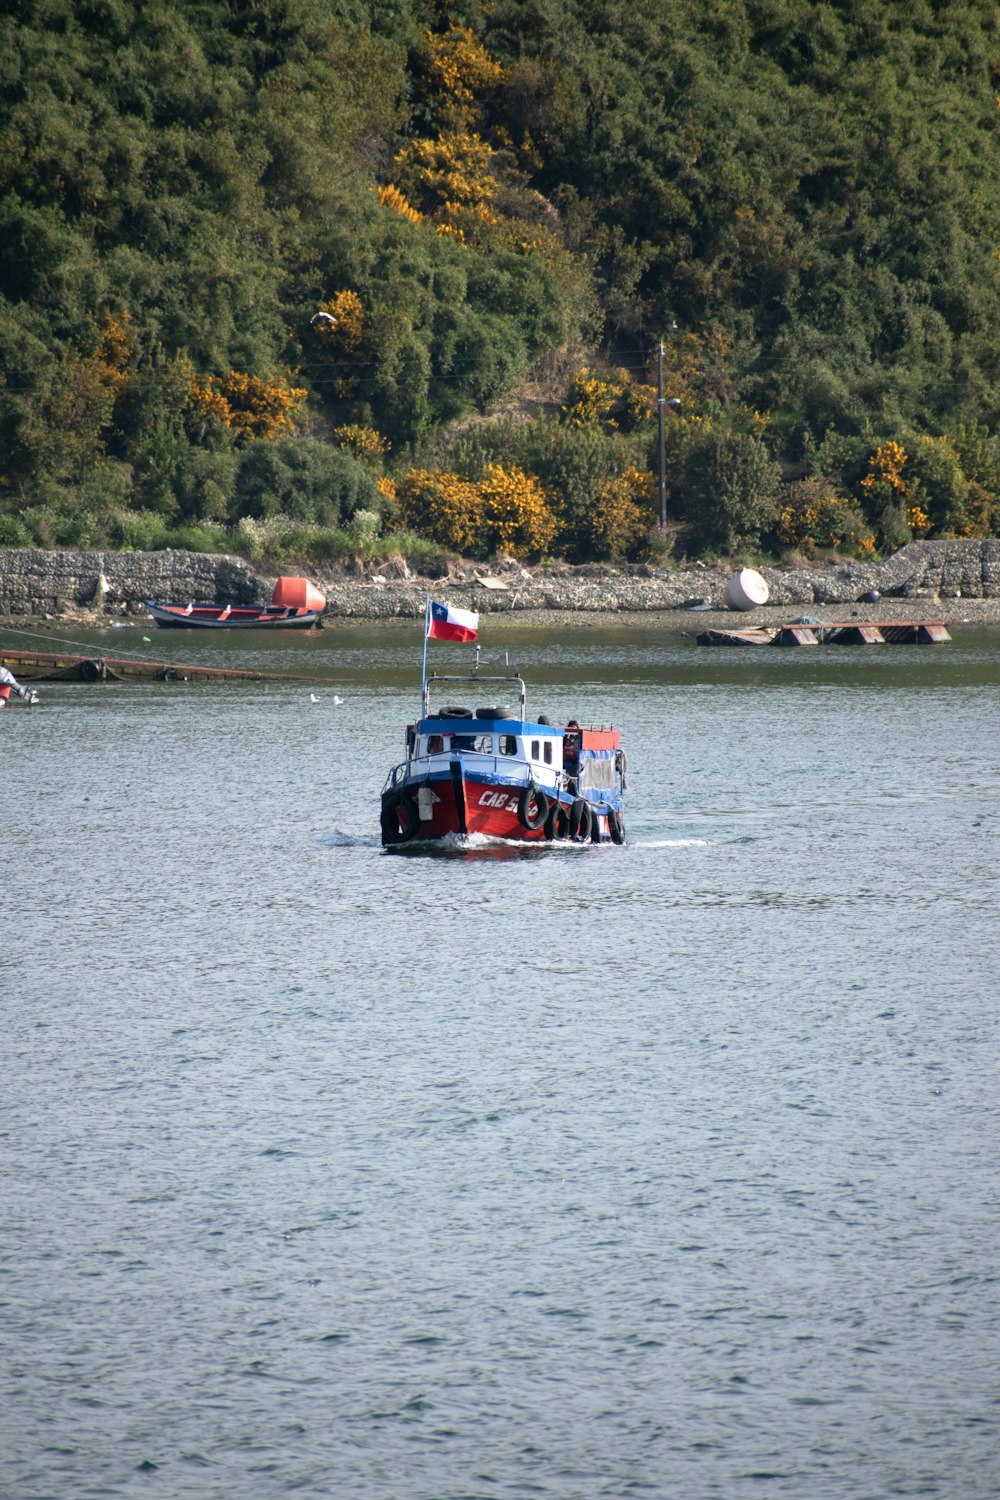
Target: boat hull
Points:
(218, 617)
(443, 807)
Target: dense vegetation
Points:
(303, 276)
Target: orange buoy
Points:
(297, 593)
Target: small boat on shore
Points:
(492, 770)
(295, 605)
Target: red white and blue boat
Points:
(295, 605)
(491, 770)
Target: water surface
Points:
(583, 1172)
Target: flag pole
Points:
(423, 669)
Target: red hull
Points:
(437, 810)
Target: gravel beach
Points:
(950, 581)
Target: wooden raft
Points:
(848, 633)
(61, 666)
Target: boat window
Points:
(548, 752)
(435, 744)
(484, 744)
(508, 744)
(534, 749)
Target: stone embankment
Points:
(923, 579)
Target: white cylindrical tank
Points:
(746, 589)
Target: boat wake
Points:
(669, 843)
(480, 846)
(338, 839)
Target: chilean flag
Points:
(446, 623)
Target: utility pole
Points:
(660, 404)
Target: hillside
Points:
(268, 272)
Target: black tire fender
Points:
(532, 797)
(557, 822)
(400, 819)
(581, 821)
(616, 827)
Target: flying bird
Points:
(313, 698)
(322, 317)
(337, 700)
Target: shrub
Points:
(444, 507)
(620, 521)
(138, 531)
(812, 517)
(519, 512)
(609, 398)
(304, 480)
(574, 464)
(14, 532)
(939, 489)
(727, 489)
(250, 406)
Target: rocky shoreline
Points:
(940, 580)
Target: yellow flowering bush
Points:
(609, 397)
(813, 517)
(461, 70)
(454, 168)
(885, 485)
(364, 442)
(618, 524)
(591, 399)
(390, 197)
(348, 326)
(519, 512)
(444, 507)
(465, 222)
(507, 511)
(885, 472)
(248, 405)
(115, 349)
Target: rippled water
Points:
(661, 1170)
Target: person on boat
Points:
(571, 754)
(9, 684)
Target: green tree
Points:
(727, 490)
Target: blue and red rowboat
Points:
(493, 771)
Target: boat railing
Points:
(396, 775)
(505, 770)
(475, 679)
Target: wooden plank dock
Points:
(65, 666)
(762, 637)
(843, 633)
